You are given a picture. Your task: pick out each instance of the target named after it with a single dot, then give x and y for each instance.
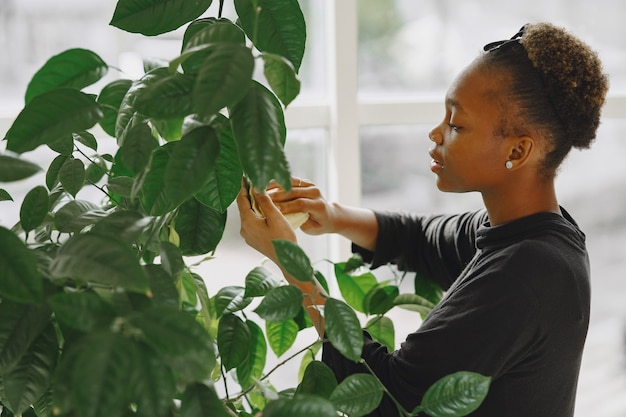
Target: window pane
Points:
(417, 46)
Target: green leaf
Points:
(74, 68)
(154, 17)
(293, 259)
(169, 96)
(172, 259)
(191, 161)
(230, 299)
(280, 304)
(14, 169)
(63, 145)
(164, 292)
(19, 278)
(254, 364)
(100, 260)
(414, 302)
(34, 208)
(343, 329)
(281, 335)
(354, 288)
(4, 195)
(84, 311)
(200, 400)
(52, 175)
(233, 341)
(357, 395)
(152, 195)
(50, 116)
(127, 115)
(380, 299)
(100, 376)
(136, 151)
(126, 225)
(66, 219)
(259, 131)
(223, 79)
(382, 330)
(170, 130)
(301, 406)
(274, 26)
(72, 175)
(179, 338)
(259, 281)
(455, 395)
(20, 326)
(427, 288)
(318, 379)
(153, 385)
(25, 382)
(223, 182)
(199, 227)
(110, 99)
(282, 77)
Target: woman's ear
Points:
(521, 151)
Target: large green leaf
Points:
(171, 259)
(74, 68)
(318, 379)
(455, 395)
(382, 330)
(259, 281)
(189, 166)
(354, 288)
(281, 335)
(233, 341)
(136, 151)
(224, 182)
(164, 292)
(20, 326)
(72, 175)
(414, 302)
(427, 288)
(357, 395)
(154, 17)
(100, 380)
(127, 115)
(15, 169)
(199, 227)
(259, 131)
(380, 299)
(282, 77)
(68, 218)
(280, 304)
(125, 225)
(52, 175)
(102, 260)
(230, 299)
(275, 26)
(168, 97)
(110, 99)
(223, 79)
(153, 385)
(180, 339)
(26, 381)
(84, 311)
(50, 116)
(63, 145)
(302, 406)
(254, 364)
(293, 259)
(152, 194)
(34, 208)
(201, 400)
(343, 329)
(19, 278)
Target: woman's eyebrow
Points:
(452, 103)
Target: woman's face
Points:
(467, 154)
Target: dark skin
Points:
(467, 156)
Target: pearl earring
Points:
(508, 165)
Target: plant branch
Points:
(401, 409)
(219, 13)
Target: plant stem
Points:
(219, 13)
(401, 409)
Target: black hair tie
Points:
(498, 44)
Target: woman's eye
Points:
(454, 127)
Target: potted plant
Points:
(101, 315)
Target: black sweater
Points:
(516, 309)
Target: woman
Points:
(516, 274)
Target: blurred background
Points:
(373, 80)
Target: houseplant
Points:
(101, 315)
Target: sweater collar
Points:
(533, 225)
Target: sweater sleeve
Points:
(437, 247)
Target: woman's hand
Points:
(258, 231)
(305, 197)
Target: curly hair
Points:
(557, 86)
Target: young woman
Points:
(516, 273)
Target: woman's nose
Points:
(435, 136)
